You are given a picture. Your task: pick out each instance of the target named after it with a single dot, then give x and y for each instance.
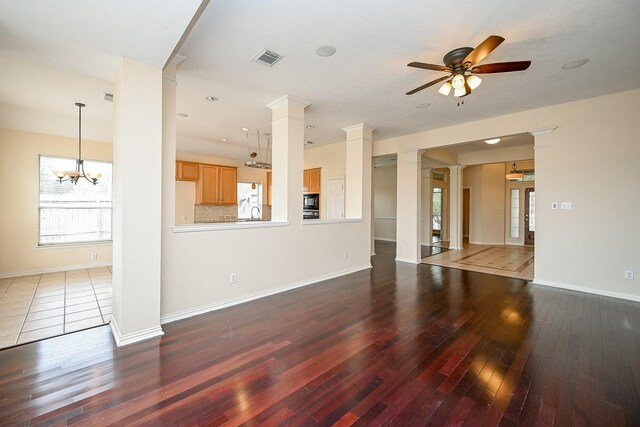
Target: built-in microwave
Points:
(311, 201)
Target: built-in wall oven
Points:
(311, 206)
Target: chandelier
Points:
(79, 172)
(514, 175)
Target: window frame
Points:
(39, 243)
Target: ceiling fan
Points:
(460, 64)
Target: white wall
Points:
(196, 265)
(385, 181)
(595, 138)
(19, 251)
(487, 203)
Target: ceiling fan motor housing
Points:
(456, 56)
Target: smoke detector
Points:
(267, 57)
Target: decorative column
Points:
(137, 202)
(358, 173)
(409, 206)
(287, 132)
(427, 210)
(455, 207)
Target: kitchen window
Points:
(249, 200)
(69, 213)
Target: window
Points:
(436, 206)
(515, 213)
(249, 200)
(69, 213)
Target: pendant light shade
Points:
(445, 89)
(514, 174)
(473, 81)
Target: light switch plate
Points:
(554, 205)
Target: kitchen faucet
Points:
(255, 207)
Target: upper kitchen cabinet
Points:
(311, 179)
(187, 171)
(217, 185)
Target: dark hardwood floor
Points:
(397, 345)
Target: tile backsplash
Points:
(215, 213)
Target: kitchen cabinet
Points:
(217, 185)
(311, 180)
(187, 171)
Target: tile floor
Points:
(50, 304)
(510, 261)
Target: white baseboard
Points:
(382, 239)
(587, 290)
(128, 339)
(410, 261)
(168, 318)
(55, 269)
(488, 243)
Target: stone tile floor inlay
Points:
(45, 305)
(510, 261)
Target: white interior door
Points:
(334, 198)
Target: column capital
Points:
(359, 132)
(456, 168)
(287, 100)
(287, 107)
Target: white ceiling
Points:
(365, 81)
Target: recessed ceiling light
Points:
(325, 51)
(245, 129)
(211, 98)
(575, 64)
(224, 140)
(492, 141)
(310, 126)
(308, 142)
(182, 115)
(108, 96)
(424, 105)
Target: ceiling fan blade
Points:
(426, 85)
(426, 66)
(501, 67)
(483, 49)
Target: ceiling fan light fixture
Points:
(459, 91)
(458, 81)
(473, 81)
(445, 89)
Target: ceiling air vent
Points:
(267, 57)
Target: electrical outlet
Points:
(628, 274)
(94, 256)
(184, 217)
(346, 255)
(233, 278)
(566, 206)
